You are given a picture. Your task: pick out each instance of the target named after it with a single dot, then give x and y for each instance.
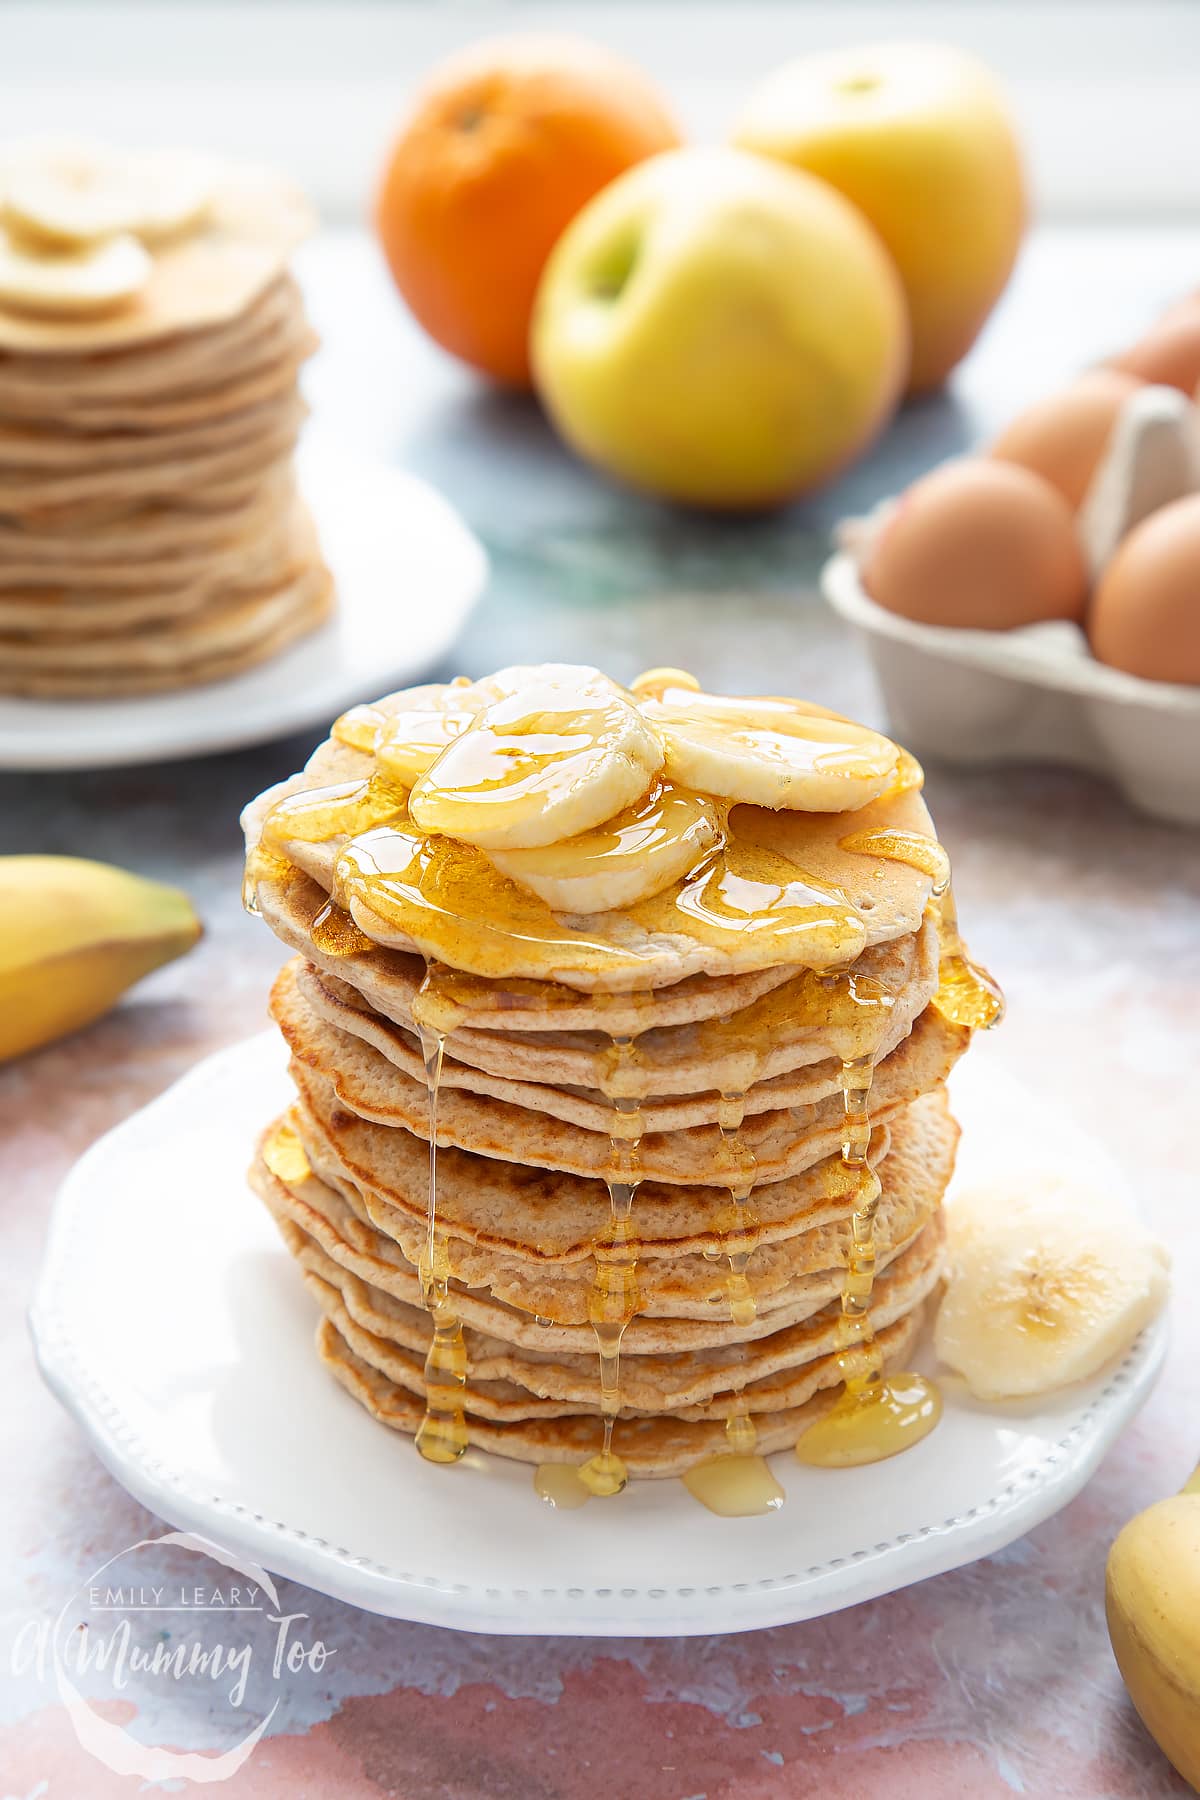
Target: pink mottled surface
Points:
(992, 1681)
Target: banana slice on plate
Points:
(73, 193)
(563, 752)
(1044, 1294)
(629, 858)
(173, 192)
(767, 752)
(74, 283)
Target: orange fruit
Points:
(507, 140)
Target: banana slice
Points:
(76, 283)
(1047, 1297)
(632, 857)
(768, 752)
(175, 191)
(556, 757)
(411, 741)
(652, 684)
(72, 193)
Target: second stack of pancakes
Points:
(151, 531)
(646, 1182)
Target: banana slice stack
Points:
(151, 339)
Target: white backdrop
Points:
(1108, 95)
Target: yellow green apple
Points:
(918, 137)
(719, 330)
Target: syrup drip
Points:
(262, 864)
(436, 1005)
(614, 1297)
(286, 1156)
(442, 1435)
(849, 1009)
(334, 933)
(739, 1226)
(910, 847)
(909, 776)
(560, 1486)
(314, 818)
(876, 1415)
(738, 1483)
(966, 993)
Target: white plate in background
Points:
(174, 1326)
(408, 572)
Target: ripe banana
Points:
(75, 935)
(71, 193)
(767, 752)
(72, 283)
(412, 740)
(1152, 1602)
(1043, 1291)
(562, 752)
(627, 859)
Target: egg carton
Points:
(1036, 693)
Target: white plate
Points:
(408, 572)
(176, 1329)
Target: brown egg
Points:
(1170, 351)
(1145, 613)
(979, 543)
(1063, 437)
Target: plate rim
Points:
(1028, 1499)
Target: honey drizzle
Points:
(739, 1228)
(334, 932)
(736, 1482)
(857, 1074)
(966, 993)
(614, 1298)
(450, 899)
(261, 864)
(876, 1415)
(442, 1434)
(912, 848)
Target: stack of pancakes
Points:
(151, 534)
(699, 1081)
